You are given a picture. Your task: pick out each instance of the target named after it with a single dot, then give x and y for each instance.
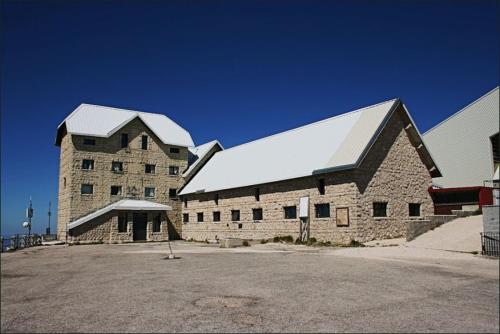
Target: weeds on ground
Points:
(245, 243)
(264, 241)
(287, 238)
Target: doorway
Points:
(139, 222)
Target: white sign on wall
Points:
(304, 207)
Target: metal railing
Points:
(490, 243)
(20, 241)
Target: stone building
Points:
(127, 176)
(358, 176)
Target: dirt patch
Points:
(226, 301)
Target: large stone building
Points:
(357, 176)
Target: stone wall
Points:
(133, 179)
(417, 227)
(392, 171)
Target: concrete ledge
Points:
(414, 228)
(231, 243)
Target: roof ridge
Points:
(307, 125)
(462, 110)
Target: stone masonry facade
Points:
(132, 179)
(391, 174)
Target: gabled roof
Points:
(124, 204)
(336, 143)
(100, 121)
(198, 154)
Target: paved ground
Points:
(272, 287)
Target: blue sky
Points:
(228, 70)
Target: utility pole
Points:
(49, 213)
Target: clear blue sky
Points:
(230, 70)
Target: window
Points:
(124, 140)
(199, 216)
(157, 223)
(172, 193)
(149, 192)
(87, 164)
(321, 186)
(149, 169)
(185, 202)
(185, 217)
(117, 166)
(216, 199)
(144, 142)
(88, 141)
(173, 170)
(257, 214)
(87, 189)
(116, 190)
(380, 209)
(414, 209)
(290, 212)
(122, 223)
(342, 215)
(235, 215)
(322, 210)
(216, 216)
(257, 194)
(175, 150)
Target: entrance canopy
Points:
(124, 204)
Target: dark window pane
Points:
(150, 169)
(117, 166)
(88, 141)
(257, 214)
(116, 190)
(149, 192)
(87, 164)
(174, 150)
(235, 215)
(157, 223)
(380, 209)
(216, 216)
(172, 193)
(290, 212)
(124, 140)
(185, 217)
(200, 217)
(173, 170)
(414, 209)
(321, 186)
(144, 142)
(322, 210)
(87, 189)
(122, 223)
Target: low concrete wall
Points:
(414, 228)
(490, 218)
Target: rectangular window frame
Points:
(146, 192)
(288, 214)
(118, 164)
(199, 217)
(235, 215)
(216, 216)
(185, 218)
(380, 210)
(340, 214)
(89, 163)
(122, 223)
(412, 207)
(320, 211)
(173, 170)
(172, 193)
(118, 193)
(144, 142)
(258, 214)
(150, 169)
(87, 185)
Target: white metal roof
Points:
(199, 153)
(461, 144)
(101, 121)
(124, 204)
(339, 142)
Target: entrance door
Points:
(139, 223)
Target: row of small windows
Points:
(124, 143)
(123, 224)
(88, 189)
(321, 211)
(117, 166)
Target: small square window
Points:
(257, 214)
(149, 192)
(414, 209)
(117, 166)
(87, 189)
(175, 150)
(144, 142)
(290, 212)
(185, 217)
(172, 193)
(124, 142)
(173, 170)
(380, 209)
(87, 164)
(216, 216)
(157, 223)
(321, 186)
(116, 190)
(89, 141)
(199, 216)
(235, 215)
(122, 223)
(149, 169)
(322, 210)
